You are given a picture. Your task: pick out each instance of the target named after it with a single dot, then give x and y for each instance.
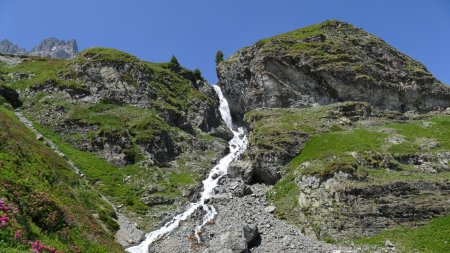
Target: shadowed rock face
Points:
(328, 63)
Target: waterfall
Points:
(224, 108)
(237, 145)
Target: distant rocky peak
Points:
(55, 48)
(7, 47)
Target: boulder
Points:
(230, 242)
(251, 234)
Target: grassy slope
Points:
(174, 92)
(329, 149)
(29, 168)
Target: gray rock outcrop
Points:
(327, 63)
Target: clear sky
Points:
(193, 31)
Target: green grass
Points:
(302, 33)
(28, 168)
(106, 55)
(285, 197)
(330, 148)
(433, 237)
(42, 70)
(438, 130)
(329, 152)
(107, 177)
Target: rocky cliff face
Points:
(7, 47)
(55, 48)
(328, 63)
(348, 170)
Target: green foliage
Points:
(55, 205)
(432, 237)
(174, 61)
(197, 74)
(174, 65)
(219, 57)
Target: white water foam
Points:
(237, 146)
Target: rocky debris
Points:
(427, 144)
(55, 48)
(7, 47)
(270, 209)
(229, 242)
(241, 169)
(346, 64)
(39, 137)
(396, 139)
(236, 228)
(156, 200)
(128, 234)
(11, 60)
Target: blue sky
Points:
(194, 30)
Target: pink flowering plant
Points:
(9, 226)
(11, 229)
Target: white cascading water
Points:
(237, 146)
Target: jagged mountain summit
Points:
(55, 48)
(7, 47)
(50, 47)
(327, 63)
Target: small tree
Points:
(219, 57)
(197, 74)
(174, 61)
